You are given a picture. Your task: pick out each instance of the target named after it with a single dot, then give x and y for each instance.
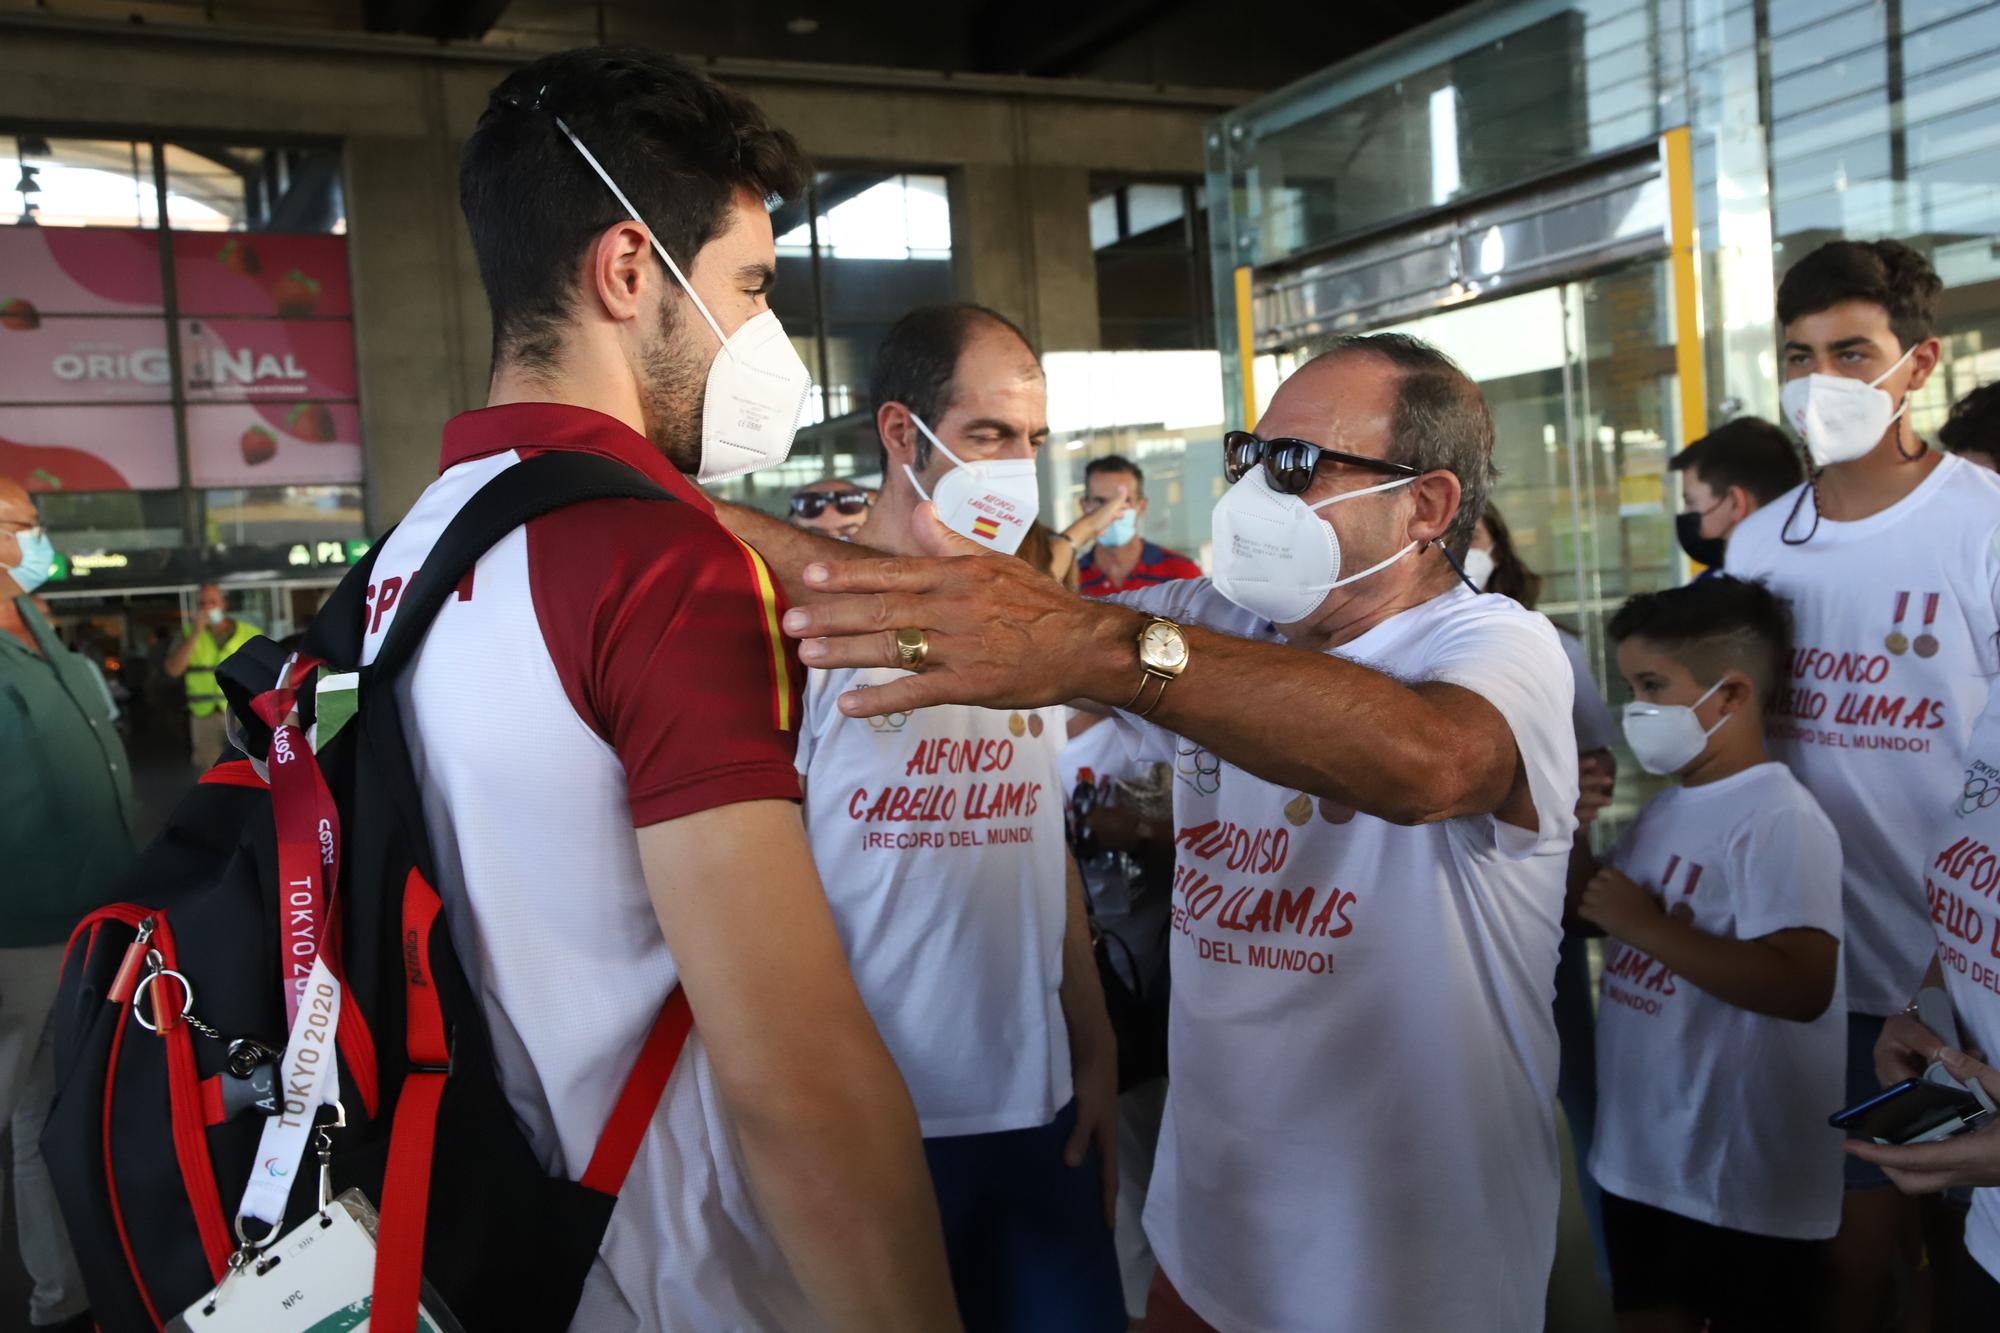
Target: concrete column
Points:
(1020, 239)
(418, 364)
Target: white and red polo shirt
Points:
(606, 667)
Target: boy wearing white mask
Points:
(1886, 556)
(1721, 1036)
(939, 837)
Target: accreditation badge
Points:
(318, 1278)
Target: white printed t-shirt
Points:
(1893, 649)
(1360, 1125)
(1962, 884)
(607, 667)
(1705, 1109)
(939, 837)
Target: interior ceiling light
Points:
(802, 26)
(27, 184)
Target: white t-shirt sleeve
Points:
(1785, 864)
(1511, 659)
(819, 710)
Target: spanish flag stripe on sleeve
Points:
(781, 671)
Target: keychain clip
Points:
(324, 1138)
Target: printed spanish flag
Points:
(985, 528)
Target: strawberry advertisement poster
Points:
(76, 271)
(261, 273)
(89, 448)
(274, 444)
(59, 359)
(226, 359)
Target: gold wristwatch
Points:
(1163, 655)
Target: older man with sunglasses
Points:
(1374, 797)
(835, 507)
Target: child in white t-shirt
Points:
(1720, 1031)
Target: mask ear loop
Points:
(1902, 409)
(1458, 568)
(633, 213)
(930, 435)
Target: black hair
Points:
(1439, 423)
(1712, 625)
(1974, 423)
(1118, 463)
(1749, 452)
(1511, 575)
(1886, 273)
(916, 361)
(677, 143)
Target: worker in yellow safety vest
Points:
(214, 636)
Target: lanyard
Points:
(308, 827)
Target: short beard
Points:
(673, 384)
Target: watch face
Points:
(1163, 646)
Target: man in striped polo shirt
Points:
(1122, 559)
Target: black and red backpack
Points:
(169, 997)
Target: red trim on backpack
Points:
(633, 1112)
(357, 1046)
(234, 773)
(190, 1125)
(211, 1100)
(111, 1175)
(406, 1181)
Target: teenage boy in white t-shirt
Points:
(939, 837)
(1960, 880)
(1886, 556)
(1721, 1038)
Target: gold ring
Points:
(912, 648)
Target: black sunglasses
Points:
(812, 504)
(1290, 463)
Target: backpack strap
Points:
(527, 490)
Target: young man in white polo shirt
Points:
(602, 722)
(1375, 794)
(939, 837)
(1887, 557)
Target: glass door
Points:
(1581, 382)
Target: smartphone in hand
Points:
(1913, 1111)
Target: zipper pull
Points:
(127, 975)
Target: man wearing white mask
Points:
(213, 637)
(939, 837)
(1887, 557)
(603, 721)
(1375, 780)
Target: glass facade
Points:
(166, 390)
(1507, 186)
(1149, 239)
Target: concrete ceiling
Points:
(1238, 44)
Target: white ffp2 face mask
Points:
(756, 385)
(1666, 738)
(1479, 567)
(1840, 418)
(1274, 556)
(993, 501)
